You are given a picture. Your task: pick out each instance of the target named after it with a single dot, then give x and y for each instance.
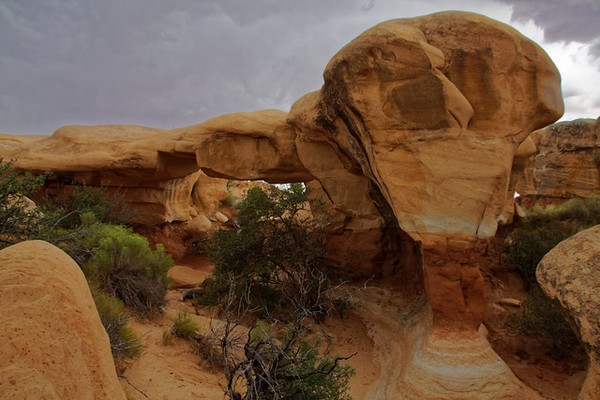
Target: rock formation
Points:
(566, 163)
(412, 139)
(141, 166)
(52, 342)
(570, 274)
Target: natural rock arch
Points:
(414, 134)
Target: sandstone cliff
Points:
(141, 165)
(566, 163)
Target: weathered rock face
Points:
(566, 163)
(429, 123)
(141, 166)
(429, 117)
(570, 274)
(246, 146)
(52, 342)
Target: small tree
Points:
(274, 254)
(19, 217)
(270, 265)
(123, 264)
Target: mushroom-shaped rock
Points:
(52, 342)
(570, 274)
(426, 115)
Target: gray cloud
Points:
(561, 20)
(159, 63)
(570, 92)
(595, 49)
(174, 63)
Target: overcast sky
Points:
(173, 63)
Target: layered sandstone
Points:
(140, 166)
(570, 274)
(454, 364)
(52, 342)
(566, 163)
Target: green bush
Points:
(544, 228)
(184, 326)
(124, 345)
(289, 366)
(19, 218)
(541, 317)
(123, 264)
(212, 292)
(105, 206)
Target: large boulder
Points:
(52, 342)
(566, 162)
(570, 274)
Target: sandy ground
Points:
(378, 331)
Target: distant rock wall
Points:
(566, 163)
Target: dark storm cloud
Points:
(561, 20)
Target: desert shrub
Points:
(211, 293)
(184, 326)
(286, 366)
(124, 345)
(528, 246)
(541, 317)
(20, 219)
(104, 205)
(123, 264)
(208, 348)
(544, 228)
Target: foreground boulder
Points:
(52, 342)
(570, 274)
